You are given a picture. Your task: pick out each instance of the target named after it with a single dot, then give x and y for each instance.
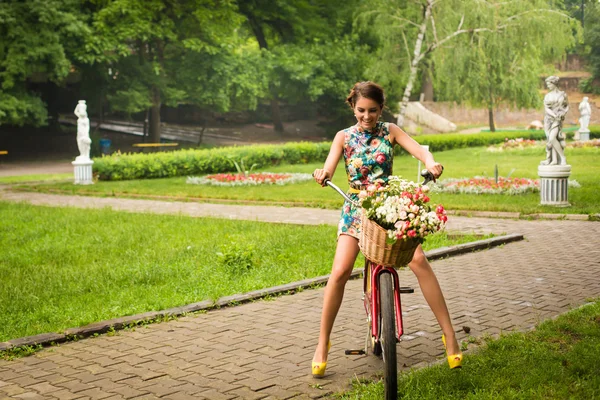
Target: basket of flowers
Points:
(396, 218)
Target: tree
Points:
(592, 38)
(146, 45)
(36, 38)
(437, 24)
(504, 66)
(284, 30)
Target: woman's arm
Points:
(335, 153)
(401, 138)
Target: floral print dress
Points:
(369, 157)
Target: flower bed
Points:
(587, 143)
(514, 144)
(253, 179)
(481, 185)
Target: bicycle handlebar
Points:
(424, 173)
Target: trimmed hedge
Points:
(207, 161)
(449, 141)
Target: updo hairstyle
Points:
(368, 90)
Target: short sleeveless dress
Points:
(369, 157)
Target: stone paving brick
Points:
(44, 387)
(213, 394)
(253, 384)
(25, 380)
(95, 393)
(275, 392)
(129, 392)
(245, 393)
(65, 395)
(30, 396)
(179, 396)
(75, 386)
(12, 389)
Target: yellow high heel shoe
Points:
(318, 368)
(454, 360)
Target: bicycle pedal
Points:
(355, 352)
(406, 289)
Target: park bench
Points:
(151, 146)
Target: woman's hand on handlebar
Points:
(435, 168)
(320, 176)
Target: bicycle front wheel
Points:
(388, 335)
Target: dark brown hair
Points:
(368, 90)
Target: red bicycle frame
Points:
(371, 274)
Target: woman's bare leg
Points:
(434, 297)
(343, 263)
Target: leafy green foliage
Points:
(37, 42)
(189, 162)
(157, 52)
(237, 259)
(502, 67)
(592, 37)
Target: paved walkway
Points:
(263, 349)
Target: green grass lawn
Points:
(559, 360)
(67, 267)
(459, 163)
(35, 178)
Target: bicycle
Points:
(381, 297)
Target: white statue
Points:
(585, 112)
(556, 106)
(83, 131)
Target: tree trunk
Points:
(276, 115)
(491, 119)
(491, 106)
(262, 43)
(427, 90)
(154, 131)
(414, 65)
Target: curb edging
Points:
(45, 339)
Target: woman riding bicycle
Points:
(368, 150)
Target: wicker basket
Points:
(373, 245)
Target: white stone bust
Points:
(585, 112)
(83, 131)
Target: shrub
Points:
(451, 141)
(207, 161)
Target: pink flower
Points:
(411, 233)
(380, 158)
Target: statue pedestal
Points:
(83, 171)
(584, 135)
(554, 180)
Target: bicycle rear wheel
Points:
(388, 335)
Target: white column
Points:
(554, 184)
(83, 172)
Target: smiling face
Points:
(367, 112)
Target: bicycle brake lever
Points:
(429, 176)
